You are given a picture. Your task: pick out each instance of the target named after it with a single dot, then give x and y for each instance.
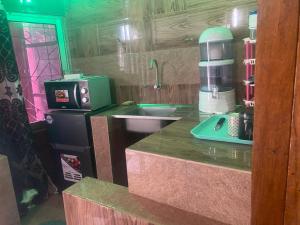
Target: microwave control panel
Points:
(84, 94)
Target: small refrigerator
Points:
(70, 136)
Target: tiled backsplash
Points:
(118, 38)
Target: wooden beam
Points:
(275, 75)
(292, 211)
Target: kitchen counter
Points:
(212, 179)
(176, 140)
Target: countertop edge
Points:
(190, 161)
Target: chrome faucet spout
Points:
(152, 63)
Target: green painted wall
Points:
(46, 7)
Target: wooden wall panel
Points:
(276, 59)
(292, 211)
(168, 94)
(118, 38)
(183, 29)
(94, 11)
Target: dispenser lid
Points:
(216, 63)
(215, 34)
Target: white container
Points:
(216, 44)
(217, 94)
(219, 102)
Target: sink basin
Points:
(149, 118)
(146, 126)
(154, 112)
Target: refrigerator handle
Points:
(75, 95)
(70, 147)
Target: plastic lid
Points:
(216, 63)
(215, 34)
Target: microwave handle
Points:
(75, 95)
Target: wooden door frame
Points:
(292, 207)
(278, 24)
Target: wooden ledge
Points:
(96, 202)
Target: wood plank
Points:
(153, 29)
(276, 59)
(168, 94)
(150, 25)
(292, 211)
(93, 12)
(183, 29)
(167, 7)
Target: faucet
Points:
(153, 62)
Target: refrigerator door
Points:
(73, 163)
(68, 128)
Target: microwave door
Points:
(63, 95)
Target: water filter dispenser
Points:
(217, 94)
(216, 75)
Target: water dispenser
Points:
(217, 94)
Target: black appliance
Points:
(71, 139)
(78, 92)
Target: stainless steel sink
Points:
(149, 119)
(154, 112)
(146, 125)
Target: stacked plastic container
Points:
(250, 61)
(216, 94)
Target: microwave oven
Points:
(86, 93)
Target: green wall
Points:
(46, 7)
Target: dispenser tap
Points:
(215, 92)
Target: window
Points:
(41, 55)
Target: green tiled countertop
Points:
(176, 141)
